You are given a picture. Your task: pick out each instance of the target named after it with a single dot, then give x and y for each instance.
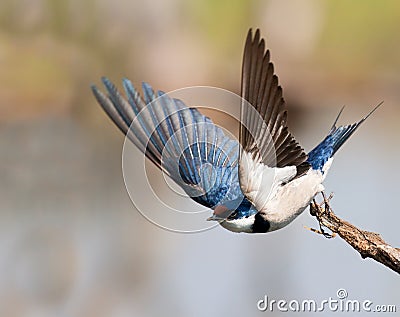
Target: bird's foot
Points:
(321, 231)
(317, 209)
(325, 202)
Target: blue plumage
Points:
(245, 209)
(321, 153)
(193, 151)
(204, 162)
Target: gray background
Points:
(71, 242)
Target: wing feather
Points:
(181, 141)
(265, 124)
(270, 155)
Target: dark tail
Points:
(333, 142)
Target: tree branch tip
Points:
(368, 244)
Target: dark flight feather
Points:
(264, 132)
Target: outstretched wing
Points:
(269, 151)
(181, 141)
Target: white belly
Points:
(292, 199)
(282, 203)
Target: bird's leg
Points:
(326, 201)
(317, 208)
(313, 207)
(321, 231)
(326, 234)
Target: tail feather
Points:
(334, 140)
(333, 128)
(343, 133)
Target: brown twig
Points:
(368, 244)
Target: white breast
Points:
(273, 192)
(293, 198)
(259, 182)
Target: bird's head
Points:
(235, 217)
(229, 209)
(221, 213)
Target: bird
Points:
(256, 184)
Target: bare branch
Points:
(368, 244)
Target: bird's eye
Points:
(233, 215)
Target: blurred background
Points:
(72, 243)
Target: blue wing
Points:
(181, 141)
